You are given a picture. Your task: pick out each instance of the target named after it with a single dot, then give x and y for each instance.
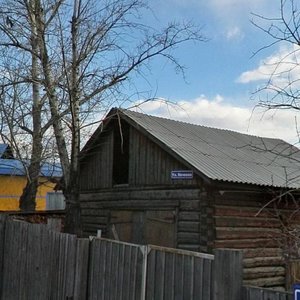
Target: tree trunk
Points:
(73, 212)
(69, 167)
(73, 215)
(28, 197)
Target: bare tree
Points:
(22, 112)
(282, 87)
(282, 92)
(86, 52)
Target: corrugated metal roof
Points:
(226, 155)
(16, 168)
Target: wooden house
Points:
(13, 180)
(146, 179)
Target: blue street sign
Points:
(182, 174)
(296, 291)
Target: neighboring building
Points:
(13, 180)
(151, 180)
(55, 201)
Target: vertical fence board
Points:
(107, 275)
(141, 272)
(120, 278)
(228, 274)
(81, 269)
(150, 283)
(188, 277)
(169, 278)
(198, 278)
(207, 279)
(159, 280)
(132, 281)
(178, 277)
(10, 284)
(53, 286)
(114, 270)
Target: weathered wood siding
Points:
(240, 224)
(96, 167)
(150, 165)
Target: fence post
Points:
(145, 251)
(227, 274)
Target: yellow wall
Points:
(11, 188)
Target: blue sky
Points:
(221, 74)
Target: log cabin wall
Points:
(240, 224)
(156, 207)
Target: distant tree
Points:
(86, 51)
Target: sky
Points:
(222, 74)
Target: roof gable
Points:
(222, 155)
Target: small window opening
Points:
(121, 153)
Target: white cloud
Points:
(280, 70)
(217, 113)
(234, 33)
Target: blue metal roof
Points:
(225, 155)
(17, 168)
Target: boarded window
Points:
(144, 227)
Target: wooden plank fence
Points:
(38, 263)
(117, 270)
(256, 293)
(182, 274)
